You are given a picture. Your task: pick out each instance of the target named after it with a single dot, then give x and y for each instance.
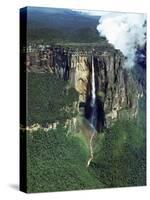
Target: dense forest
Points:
(57, 161)
(47, 95)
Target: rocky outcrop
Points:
(37, 126)
(116, 89)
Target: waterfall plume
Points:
(93, 97)
(93, 84)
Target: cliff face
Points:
(116, 89)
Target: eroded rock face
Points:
(115, 87)
(79, 75)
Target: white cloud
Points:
(125, 31)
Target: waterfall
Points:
(93, 97)
(93, 119)
(93, 83)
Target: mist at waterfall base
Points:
(95, 114)
(127, 32)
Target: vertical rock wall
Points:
(115, 87)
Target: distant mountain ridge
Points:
(61, 25)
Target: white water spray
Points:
(93, 117)
(93, 83)
(93, 97)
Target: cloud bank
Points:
(126, 32)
